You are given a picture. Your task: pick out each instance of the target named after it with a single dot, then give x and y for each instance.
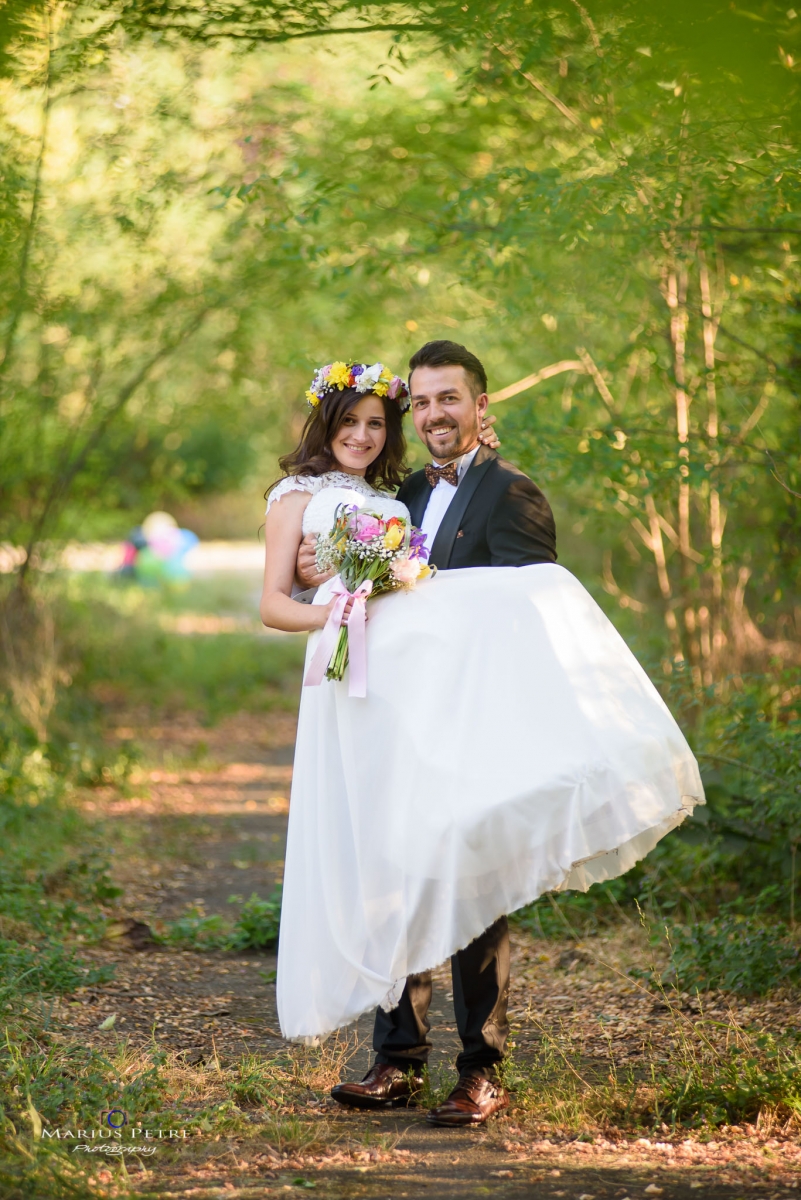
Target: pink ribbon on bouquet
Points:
(357, 640)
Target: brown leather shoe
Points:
(471, 1102)
(383, 1086)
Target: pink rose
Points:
(395, 386)
(367, 527)
(406, 570)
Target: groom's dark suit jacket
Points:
(498, 517)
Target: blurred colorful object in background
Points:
(155, 551)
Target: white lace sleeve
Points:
(294, 483)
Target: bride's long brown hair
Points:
(313, 454)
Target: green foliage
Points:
(257, 925)
(255, 928)
(738, 853)
(581, 914)
(128, 649)
(73, 1083)
(27, 778)
(44, 967)
(763, 1076)
(54, 879)
(254, 1082)
(732, 953)
(130, 373)
(702, 1084)
(532, 180)
(215, 675)
(33, 1172)
(196, 930)
(754, 790)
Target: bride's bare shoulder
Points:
(289, 512)
(299, 487)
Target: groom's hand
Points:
(306, 569)
(487, 434)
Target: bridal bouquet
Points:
(371, 555)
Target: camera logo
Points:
(113, 1118)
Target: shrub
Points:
(256, 927)
(257, 924)
(738, 1084)
(197, 931)
(735, 954)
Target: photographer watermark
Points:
(115, 1134)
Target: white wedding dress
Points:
(510, 744)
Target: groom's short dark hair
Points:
(451, 354)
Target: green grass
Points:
(120, 647)
(741, 1077)
(255, 928)
(54, 869)
(122, 650)
(754, 1076)
(736, 954)
(125, 652)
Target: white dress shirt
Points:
(441, 497)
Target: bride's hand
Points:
(306, 569)
(325, 610)
(487, 434)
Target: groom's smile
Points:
(440, 433)
(446, 410)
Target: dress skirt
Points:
(510, 744)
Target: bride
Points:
(406, 843)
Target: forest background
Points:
(200, 203)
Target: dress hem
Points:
(678, 817)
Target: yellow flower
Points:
(393, 537)
(380, 388)
(386, 375)
(313, 399)
(339, 375)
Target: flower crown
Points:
(376, 379)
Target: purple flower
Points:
(417, 545)
(356, 370)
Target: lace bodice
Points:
(330, 490)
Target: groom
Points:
(477, 511)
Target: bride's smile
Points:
(361, 437)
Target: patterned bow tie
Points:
(450, 474)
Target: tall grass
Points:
(717, 1073)
(123, 651)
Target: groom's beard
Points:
(458, 443)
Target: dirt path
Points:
(209, 823)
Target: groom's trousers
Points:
(480, 976)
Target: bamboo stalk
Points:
(530, 381)
(716, 515)
(598, 379)
(652, 539)
(540, 87)
(33, 216)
